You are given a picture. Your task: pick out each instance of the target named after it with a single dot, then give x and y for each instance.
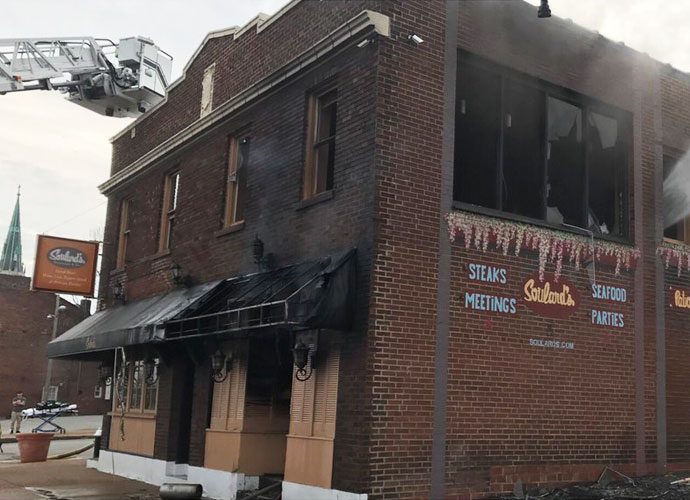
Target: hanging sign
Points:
(550, 298)
(65, 266)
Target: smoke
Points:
(677, 192)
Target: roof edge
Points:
(261, 21)
(361, 25)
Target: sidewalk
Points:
(78, 427)
(68, 479)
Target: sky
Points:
(60, 152)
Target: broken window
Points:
(477, 135)
(607, 163)
(528, 148)
(677, 230)
(566, 165)
(523, 165)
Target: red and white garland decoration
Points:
(553, 246)
(674, 253)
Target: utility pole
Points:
(49, 368)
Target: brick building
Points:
(25, 330)
(336, 143)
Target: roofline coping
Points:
(364, 21)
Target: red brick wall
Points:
(291, 232)
(24, 333)
(239, 64)
(675, 93)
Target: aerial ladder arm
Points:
(79, 67)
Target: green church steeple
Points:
(11, 259)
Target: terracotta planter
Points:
(34, 447)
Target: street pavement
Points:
(67, 479)
(85, 423)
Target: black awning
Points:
(312, 294)
(138, 322)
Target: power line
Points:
(76, 216)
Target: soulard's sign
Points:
(65, 266)
(680, 298)
(551, 298)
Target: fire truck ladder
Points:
(78, 67)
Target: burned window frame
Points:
(588, 105)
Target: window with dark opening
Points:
(676, 230)
(540, 152)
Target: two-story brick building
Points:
(282, 296)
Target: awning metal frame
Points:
(231, 321)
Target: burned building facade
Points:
(395, 249)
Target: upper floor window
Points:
(207, 90)
(537, 151)
(678, 228)
(170, 194)
(236, 189)
(320, 154)
(123, 235)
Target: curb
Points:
(56, 437)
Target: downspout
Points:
(438, 444)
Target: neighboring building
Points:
(531, 349)
(25, 330)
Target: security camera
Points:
(50, 316)
(62, 308)
(416, 39)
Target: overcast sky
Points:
(59, 152)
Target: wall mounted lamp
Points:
(151, 370)
(118, 291)
(175, 273)
(221, 364)
(303, 357)
(261, 260)
(105, 374)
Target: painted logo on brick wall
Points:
(550, 298)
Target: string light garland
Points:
(553, 246)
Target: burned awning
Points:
(313, 294)
(137, 322)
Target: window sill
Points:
(490, 212)
(237, 226)
(160, 255)
(119, 270)
(671, 241)
(148, 415)
(318, 198)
